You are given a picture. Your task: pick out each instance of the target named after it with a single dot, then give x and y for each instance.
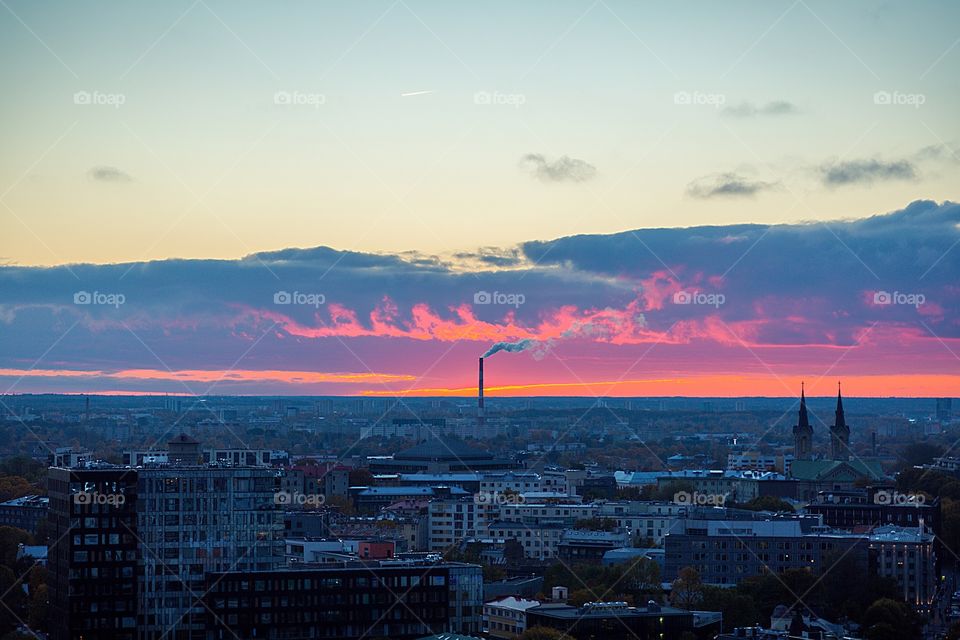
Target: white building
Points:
(506, 617)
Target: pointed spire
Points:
(804, 419)
(840, 421)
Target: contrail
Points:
(416, 93)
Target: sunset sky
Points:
(360, 198)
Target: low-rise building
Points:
(346, 602)
(506, 617)
(25, 513)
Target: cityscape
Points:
(432, 320)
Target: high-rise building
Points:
(93, 558)
(944, 409)
(194, 520)
(133, 546)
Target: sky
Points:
(361, 198)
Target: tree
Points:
(687, 590)
(738, 609)
(888, 619)
(920, 453)
(643, 579)
(513, 551)
(10, 539)
(543, 633)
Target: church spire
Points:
(839, 432)
(841, 421)
(804, 419)
(803, 432)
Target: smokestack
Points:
(480, 416)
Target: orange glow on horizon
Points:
(717, 386)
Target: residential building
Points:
(585, 545)
(451, 521)
(348, 601)
(93, 561)
(506, 617)
(25, 513)
(727, 551)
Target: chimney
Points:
(480, 412)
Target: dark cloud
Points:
(849, 172)
(109, 174)
(727, 185)
(563, 169)
(750, 110)
(786, 284)
(492, 256)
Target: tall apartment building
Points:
(93, 559)
(133, 546)
(194, 520)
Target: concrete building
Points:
(451, 521)
(25, 513)
(727, 551)
(133, 545)
(346, 602)
(585, 545)
(908, 555)
(506, 617)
